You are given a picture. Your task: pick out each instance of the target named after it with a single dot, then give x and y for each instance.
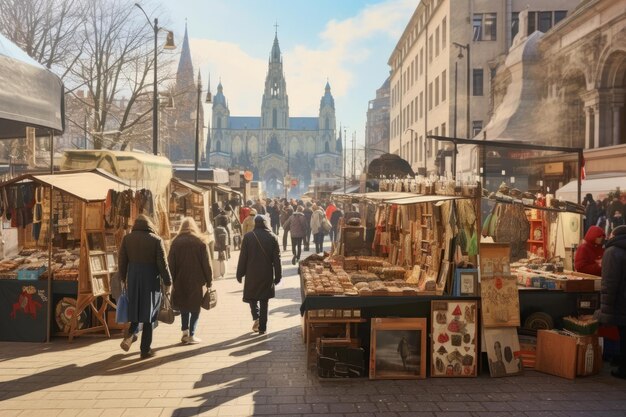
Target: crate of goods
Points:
(30, 273)
(567, 355)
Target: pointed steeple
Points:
(219, 97)
(327, 98)
(275, 55)
(184, 75)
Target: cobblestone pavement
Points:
(237, 373)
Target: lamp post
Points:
(466, 47)
(424, 143)
(345, 151)
(207, 100)
(169, 44)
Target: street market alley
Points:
(235, 372)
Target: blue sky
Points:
(346, 41)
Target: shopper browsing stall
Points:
(191, 271)
(613, 293)
(317, 219)
(142, 269)
(588, 257)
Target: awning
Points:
(195, 188)
(417, 199)
(226, 189)
(384, 195)
(30, 95)
(87, 186)
(599, 185)
(349, 190)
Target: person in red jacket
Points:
(588, 257)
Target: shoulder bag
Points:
(166, 312)
(209, 300)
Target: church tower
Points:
(327, 121)
(275, 104)
(221, 115)
(183, 136)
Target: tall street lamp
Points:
(169, 44)
(424, 143)
(466, 47)
(208, 99)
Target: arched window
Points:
(326, 147)
(218, 146)
(326, 123)
(274, 118)
(219, 122)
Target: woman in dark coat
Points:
(613, 293)
(142, 267)
(191, 271)
(259, 262)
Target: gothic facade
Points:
(275, 144)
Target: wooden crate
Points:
(566, 356)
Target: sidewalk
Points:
(235, 372)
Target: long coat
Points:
(142, 265)
(613, 292)
(189, 263)
(316, 221)
(297, 225)
(259, 263)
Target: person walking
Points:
(274, 212)
(613, 292)
(316, 228)
(298, 228)
(308, 212)
(591, 212)
(259, 263)
(284, 215)
(335, 218)
(142, 267)
(248, 223)
(191, 271)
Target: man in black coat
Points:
(259, 262)
(613, 293)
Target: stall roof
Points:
(417, 199)
(348, 190)
(384, 195)
(86, 186)
(599, 185)
(226, 189)
(193, 187)
(30, 95)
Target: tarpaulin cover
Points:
(30, 95)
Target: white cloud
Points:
(343, 49)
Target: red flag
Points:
(583, 174)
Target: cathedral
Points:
(275, 145)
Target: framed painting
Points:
(500, 301)
(398, 348)
(503, 351)
(467, 283)
(495, 259)
(454, 327)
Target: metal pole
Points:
(345, 141)
(353, 156)
(50, 298)
(456, 66)
(195, 171)
(155, 98)
(467, 110)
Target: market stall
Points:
(65, 254)
(429, 274)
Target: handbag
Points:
(166, 312)
(326, 226)
(209, 300)
(121, 311)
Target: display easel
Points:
(94, 280)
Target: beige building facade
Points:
(429, 70)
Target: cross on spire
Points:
(276, 28)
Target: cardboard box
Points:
(567, 356)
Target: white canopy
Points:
(30, 95)
(598, 185)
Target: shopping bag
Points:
(121, 312)
(166, 312)
(209, 300)
(326, 226)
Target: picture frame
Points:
(454, 330)
(503, 351)
(466, 283)
(500, 301)
(398, 348)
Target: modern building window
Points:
(421, 104)
(559, 15)
(429, 142)
(436, 91)
(419, 149)
(416, 66)
(545, 21)
(437, 41)
(532, 22)
(477, 126)
(421, 61)
(416, 108)
(430, 96)
(444, 33)
(485, 26)
(443, 85)
(430, 48)
(443, 129)
(411, 112)
(437, 143)
(514, 24)
(478, 82)
(412, 73)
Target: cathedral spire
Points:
(275, 55)
(184, 75)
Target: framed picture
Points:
(503, 351)
(95, 241)
(112, 262)
(453, 330)
(398, 348)
(495, 259)
(467, 282)
(500, 301)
